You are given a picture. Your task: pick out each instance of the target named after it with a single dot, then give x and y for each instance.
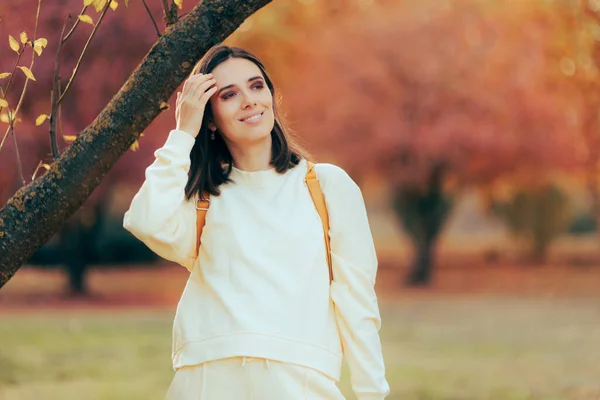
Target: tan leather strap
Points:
(201, 210)
(312, 181)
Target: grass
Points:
(446, 348)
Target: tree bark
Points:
(38, 210)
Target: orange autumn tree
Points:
(433, 97)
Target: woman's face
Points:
(243, 104)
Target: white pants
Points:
(247, 378)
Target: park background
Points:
(472, 128)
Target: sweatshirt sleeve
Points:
(352, 290)
(159, 214)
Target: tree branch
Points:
(39, 209)
(152, 18)
(62, 95)
(12, 130)
(170, 13)
(77, 20)
(54, 96)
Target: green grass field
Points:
(450, 348)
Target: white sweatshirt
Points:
(260, 286)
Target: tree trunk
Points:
(39, 209)
(421, 269)
(423, 212)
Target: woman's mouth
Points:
(254, 118)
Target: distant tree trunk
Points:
(39, 209)
(423, 212)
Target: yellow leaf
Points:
(135, 146)
(6, 117)
(46, 166)
(39, 44)
(87, 19)
(3, 103)
(87, 2)
(164, 106)
(69, 138)
(42, 42)
(126, 3)
(99, 4)
(37, 49)
(23, 37)
(13, 43)
(179, 3)
(114, 5)
(27, 73)
(5, 75)
(40, 119)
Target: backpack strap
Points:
(202, 204)
(312, 181)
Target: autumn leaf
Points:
(39, 44)
(27, 73)
(164, 106)
(6, 117)
(135, 146)
(179, 3)
(3, 103)
(69, 138)
(5, 75)
(23, 37)
(40, 119)
(87, 2)
(42, 42)
(13, 43)
(87, 19)
(126, 3)
(99, 4)
(114, 5)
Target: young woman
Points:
(259, 317)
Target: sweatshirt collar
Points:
(254, 178)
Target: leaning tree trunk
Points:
(39, 209)
(423, 212)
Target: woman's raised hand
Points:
(191, 102)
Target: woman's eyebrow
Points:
(254, 78)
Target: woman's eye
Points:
(227, 95)
(258, 86)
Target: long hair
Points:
(211, 161)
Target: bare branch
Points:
(55, 94)
(62, 95)
(152, 18)
(19, 165)
(12, 130)
(65, 38)
(12, 74)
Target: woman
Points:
(259, 317)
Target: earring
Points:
(212, 135)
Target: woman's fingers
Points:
(208, 94)
(201, 85)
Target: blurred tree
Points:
(40, 208)
(576, 53)
(433, 96)
(537, 215)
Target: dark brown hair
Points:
(211, 161)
